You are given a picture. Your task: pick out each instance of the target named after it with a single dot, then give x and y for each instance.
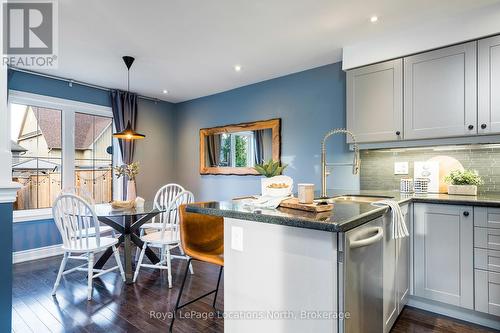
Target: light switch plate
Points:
(237, 238)
(401, 168)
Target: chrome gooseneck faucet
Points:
(355, 163)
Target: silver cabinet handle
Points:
(376, 234)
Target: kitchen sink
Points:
(352, 198)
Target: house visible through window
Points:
(36, 155)
(93, 156)
(58, 144)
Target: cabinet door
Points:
(444, 253)
(440, 93)
(403, 266)
(390, 275)
(375, 102)
(489, 85)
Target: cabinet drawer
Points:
(488, 260)
(487, 238)
(487, 217)
(487, 292)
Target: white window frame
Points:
(68, 109)
(250, 152)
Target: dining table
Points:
(127, 223)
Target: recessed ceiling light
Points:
(237, 68)
(373, 19)
(165, 91)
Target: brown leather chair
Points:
(202, 238)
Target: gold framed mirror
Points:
(235, 149)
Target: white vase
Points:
(462, 189)
(131, 195)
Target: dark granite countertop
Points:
(343, 217)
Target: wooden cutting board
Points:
(293, 203)
(446, 165)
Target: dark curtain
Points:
(124, 105)
(213, 148)
(258, 146)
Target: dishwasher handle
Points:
(375, 233)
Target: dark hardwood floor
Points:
(146, 305)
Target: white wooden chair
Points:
(162, 200)
(74, 218)
(85, 195)
(167, 238)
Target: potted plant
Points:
(130, 171)
(463, 182)
(274, 184)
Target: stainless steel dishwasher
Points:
(360, 278)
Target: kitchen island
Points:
(292, 271)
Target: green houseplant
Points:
(274, 184)
(464, 182)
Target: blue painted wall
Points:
(6, 267)
(309, 103)
(33, 234)
(56, 88)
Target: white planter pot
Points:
(131, 195)
(462, 189)
(276, 192)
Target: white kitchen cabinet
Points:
(396, 271)
(443, 253)
(487, 292)
(440, 98)
(489, 85)
(375, 102)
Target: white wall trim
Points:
(21, 97)
(8, 192)
(32, 215)
(35, 254)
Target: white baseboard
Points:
(471, 316)
(39, 253)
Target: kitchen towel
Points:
(399, 229)
(265, 201)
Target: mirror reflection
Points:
(236, 149)
(239, 149)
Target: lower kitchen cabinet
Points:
(444, 253)
(487, 292)
(396, 271)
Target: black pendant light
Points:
(128, 133)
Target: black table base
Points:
(128, 237)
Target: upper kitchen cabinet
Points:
(375, 102)
(489, 85)
(440, 93)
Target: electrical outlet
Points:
(401, 168)
(237, 238)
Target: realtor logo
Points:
(30, 34)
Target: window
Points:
(237, 149)
(93, 156)
(36, 155)
(57, 144)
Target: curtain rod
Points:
(71, 82)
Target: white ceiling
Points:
(189, 47)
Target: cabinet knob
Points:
(398, 133)
(466, 213)
(483, 126)
(471, 127)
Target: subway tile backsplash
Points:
(377, 166)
